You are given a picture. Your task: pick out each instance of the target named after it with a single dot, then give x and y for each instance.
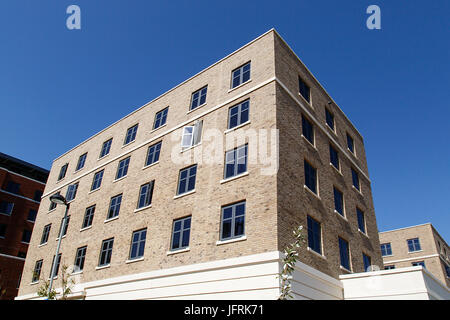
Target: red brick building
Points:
(21, 188)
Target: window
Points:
(160, 118)
(418, 263)
(367, 262)
(314, 235)
(307, 130)
(350, 144)
(79, 259)
(138, 244)
(238, 114)
(447, 271)
(355, 179)
(413, 245)
(71, 192)
(240, 75)
(145, 194)
(186, 181)
(45, 233)
(88, 217)
(310, 177)
(37, 271)
(3, 230)
(97, 181)
(64, 226)
(62, 171)
(338, 201)
(304, 89)
(52, 204)
(106, 252)
(153, 153)
(192, 135)
(235, 162)
(131, 134)
(386, 249)
(13, 187)
(329, 118)
(105, 148)
(122, 168)
(37, 195)
(81, 161)
(114, 206)
(344, 253)
(361, 220)
(6, 207)
(233, 219)
(58, 262)
(198, 98)
(180, 233)
(334, 157)
(390, 267)
(26, 236)
(21, 254)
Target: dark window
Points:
(62, 172)
(153, 153)
(307, 130)
(240, 75)
(79, 259)
(45, 233)
(418, 263)
(138, 244)
(88, 217)
(37, 271)
(58, 262)
(106, 252)
(3, 230)
(122, 168)
(21, 254)
(329, 117)
(97, 181)
(344, 253)
(81, 161)
(64, 226)
(304, 89)
(13, 187)
(105, 148)
(37, 195)
(186, 181)
(26, 236)
(447, 271)
(233, 220)
(350, 144)
(6, 207)
(131, 134)
(390, 267)
(52, 204)
(334, 157)
(198, 98)
(355, 179)
(180, 233)
(310, 177)
(238, 114)
(361, 220)
(338, 201)
(71, 191)
(160, 118)
(114, 206)
(413, 245)
(145, 194)
(367, 262)
(386, 249)
(314, 235)
(236, 161)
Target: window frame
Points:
(337, 191)
(122, 168)
(45, 234)
(130, 136)
(138, 244)
(114, 209)
(350, 143)
(71, 192)
(97, 180)
(302, 86)
(329, 117)
(308, 130)
(334, 157)
(148, 196)
(386, 247)
(347, 254)
(307, 164)
(361, 222)
(188, 177)
(367, 262)
(106, 252)
(37, 271)
(153, 151)
(81, 162)
(80, 257)
(241, 71)
(415, 242)
(242, 108)
(106, 148)
(88, 217)
(63, 171)
(183, 229)
(160, 118)
(201, 97)
(233, 219)
(355, 179)
(314, 236)
(9, 207)
(235, 163)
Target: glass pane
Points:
(239, 226)
(176, 240)
(226, 229)
(185, 240)
(227, 213)
(240, 209)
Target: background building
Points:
(21, 187)
(417, 245)
(154, 214)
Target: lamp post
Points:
(58, 199)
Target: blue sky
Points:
(59, 86)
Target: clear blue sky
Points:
(392, 83)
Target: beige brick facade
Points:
(275, 202)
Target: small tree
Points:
(291, 257)
(66, 284)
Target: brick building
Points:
(21, 187)
(419, 245)
(196, 193)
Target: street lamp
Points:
(58, 199)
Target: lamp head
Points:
(58, 199)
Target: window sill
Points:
(126, 145)
(42, 244)
(241, 238)
(101, 158)
(244, 174)
(189, 148)
(86, 228)
(62, 237)
(143, 208)
(308, 103)
(312, 192)
(345, 269)
(178, 251)
(121, 178)
(78, 170)
(150, 165)
(340, 215)
(238, 86)
(76, 273)
(184, 194)
(388, 255)
(311, 144)
(92, 191)
(134, 260)
(49, 211)
(337, 170)
(354, 188)
(331, 129)
(103, 267)
(363, 233)
(316, 253)
(196, 108)
(237, 127)
(352, 153)
(111, 219)
(5, 214)
(412, 252)
(162, 126)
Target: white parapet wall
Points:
(412, 283)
